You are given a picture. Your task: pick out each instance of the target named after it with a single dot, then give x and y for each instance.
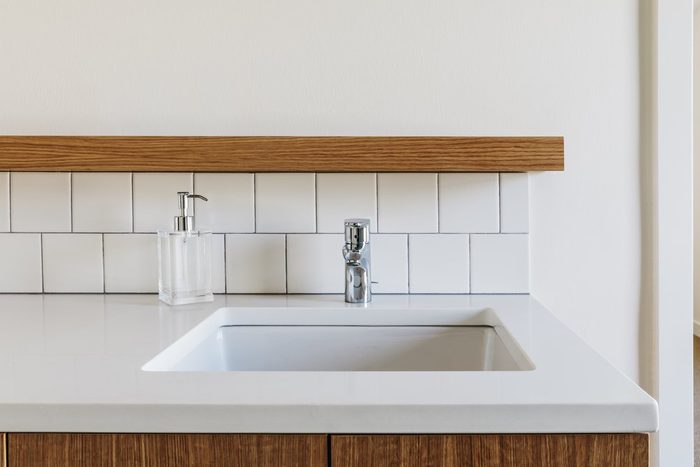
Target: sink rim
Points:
(165, 360)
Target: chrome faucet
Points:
(358, 284)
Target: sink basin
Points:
(345, 340)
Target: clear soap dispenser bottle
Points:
(184, 258)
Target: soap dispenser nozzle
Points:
(185, 222)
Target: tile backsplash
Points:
(273, 232)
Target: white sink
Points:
(346, 340)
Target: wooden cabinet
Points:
(493, 450)
(595, 450)
(181, 450)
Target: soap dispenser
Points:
(184, 258)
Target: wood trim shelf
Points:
(281, 153)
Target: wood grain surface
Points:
(546, 450)
(165, 450)
(491, 450)
(280, 154)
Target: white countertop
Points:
(73, 363)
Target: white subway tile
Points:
(468, 202)
(285, 202)
(514, 203)
(73, 263)
(389, 263)
(20, 268)
(255, 263)
(342, 196)
(439, 263)
(155, 199)
(315, 263)
(4, 201)
(40, 202)
(218, 264)
(131, 263)
(101, 202)
(231, 205)
(500, 263)
(407, 202)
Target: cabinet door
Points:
(590, 450)
(156, 450)
(3, 454)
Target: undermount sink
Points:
(244, 340)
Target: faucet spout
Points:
(357, 284)
(356, 252)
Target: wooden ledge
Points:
(281, 153)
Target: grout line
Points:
(254, 210)
(70, 198)
(286, 272)
(408, 261)
(104, 280)
(500, 211)
(376, 198)
(93, 232)
(439, 218)
(132, 202)
(41, 255)
(194, 203)
(225, 268)
(255, 202)
(528, 204)
(270, 293)
(469, 262)
(9, 200)
(375, 207)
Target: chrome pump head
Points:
(184, 222)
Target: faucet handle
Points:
(356, 232)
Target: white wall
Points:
(373, 67)
(696, 169)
